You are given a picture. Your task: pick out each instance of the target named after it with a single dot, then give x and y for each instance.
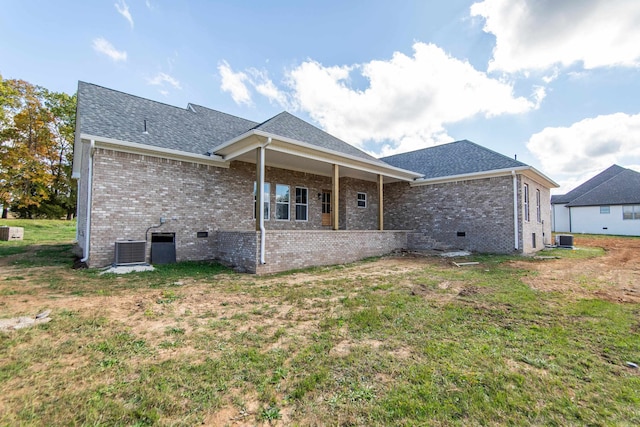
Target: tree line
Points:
(36, 151)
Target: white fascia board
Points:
(149, 150)
(525, 170)
(535, 174)
(303, 149)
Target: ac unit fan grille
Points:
(130, 252)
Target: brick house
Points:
(185, 179)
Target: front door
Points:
(326, 208)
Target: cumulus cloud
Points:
(408, 100)
(123, 9)
(103, 46)
(538, 34)
(405, 106)
(161, 78)
(235, 84)
(588, 146)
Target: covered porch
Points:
(345, 234)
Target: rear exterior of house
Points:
(608, 203)
(185, 179)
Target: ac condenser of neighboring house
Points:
(130, 252)
(564, 241)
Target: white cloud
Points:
(538, 34)
(123, 9)
(102, 45)
(161, 78)
(408, 99)
(407, 103)
(587, 147)
(234, 83)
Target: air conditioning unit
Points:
(130, 252)
(564, 241)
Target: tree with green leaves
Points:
(36, 140)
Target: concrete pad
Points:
(124, 269)
(455, 254)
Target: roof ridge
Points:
(191, 104)
(584, 195)
(451, 143)
(135, 96)
(571, 200)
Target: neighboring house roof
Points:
(117, 115)
(622, 189)
(455, 158)
(587, 186)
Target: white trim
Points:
(525, 170)
(288, 203)
(306, 205)
(314, 152)
(167, 153)
(358, 199)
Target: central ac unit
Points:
(564, 241)
(130, 252)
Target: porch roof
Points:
(289, 153)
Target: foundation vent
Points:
(130, 252)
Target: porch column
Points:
(380, 203)
(335, 183)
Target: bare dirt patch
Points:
(613, 277)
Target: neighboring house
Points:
(608, 203)
(184, 180)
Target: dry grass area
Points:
(401, 340)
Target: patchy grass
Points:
(385, 342)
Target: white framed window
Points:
(302, 204)
(538, 210)
(265, 200)
(605, 209)
(631, 212)
(282, 202)
(362, 200)
(526, 202)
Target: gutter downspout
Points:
(515, 209)
(89, 186)
(261, 207)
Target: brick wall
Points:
(239, 249)
(132, 192)
(541, 229)
(481, 209)
(353, 217)
(286, 250)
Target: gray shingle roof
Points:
(118, 115)
(588, 185)
(621, 189)
(455, 158)
(289, 126)
(196, 129)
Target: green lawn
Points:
(420, 342)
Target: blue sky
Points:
(555, 82)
